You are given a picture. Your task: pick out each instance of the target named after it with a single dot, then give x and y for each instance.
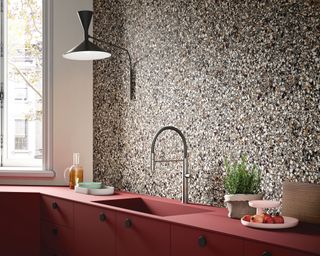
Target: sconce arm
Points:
(132, 80)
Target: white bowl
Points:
(262, 204)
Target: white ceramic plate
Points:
(104, 191)
(289, 222)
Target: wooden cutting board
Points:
(302, 201)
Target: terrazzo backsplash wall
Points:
(234, 76)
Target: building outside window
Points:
(21, 93)
(22, 76)
(21, 134)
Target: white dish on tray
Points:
(262, 204)
(289, 222)
(103, 191)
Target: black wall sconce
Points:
(89, 51)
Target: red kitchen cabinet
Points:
(34, 225)
(56, 238)
(57, 222)
(95, 230)
(192, 241)
(139, 236)
(253, 248)
(19, 222)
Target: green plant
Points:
(241, 178)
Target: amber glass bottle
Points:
(75, 171)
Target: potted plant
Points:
(242, 184)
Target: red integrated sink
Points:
(153, 207)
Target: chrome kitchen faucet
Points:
(185, 173)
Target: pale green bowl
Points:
(90, 184)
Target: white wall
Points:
(72, 96)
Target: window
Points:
(24, 83)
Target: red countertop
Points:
(305, 237)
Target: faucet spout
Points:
(185, 173)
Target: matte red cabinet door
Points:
(139, 236)
(252, 248)
(20, 225)
(57, 238)
(94, 231)
(187, 241)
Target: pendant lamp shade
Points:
(86, 50)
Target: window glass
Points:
(22, 76)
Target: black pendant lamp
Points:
(86, 50)
(89, 51)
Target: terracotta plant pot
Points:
(238, 206)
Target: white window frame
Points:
(47, 162)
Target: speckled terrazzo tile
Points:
(235, 76)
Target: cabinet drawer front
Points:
(252, 248)
(94, 231)
(57, 238)
(139, 236)
(57, 211)
(188, 241)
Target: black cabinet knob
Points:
(266, 253)
(55, 231)
(202, 241)
(102, 217)
(54, 205)
(127, 223)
